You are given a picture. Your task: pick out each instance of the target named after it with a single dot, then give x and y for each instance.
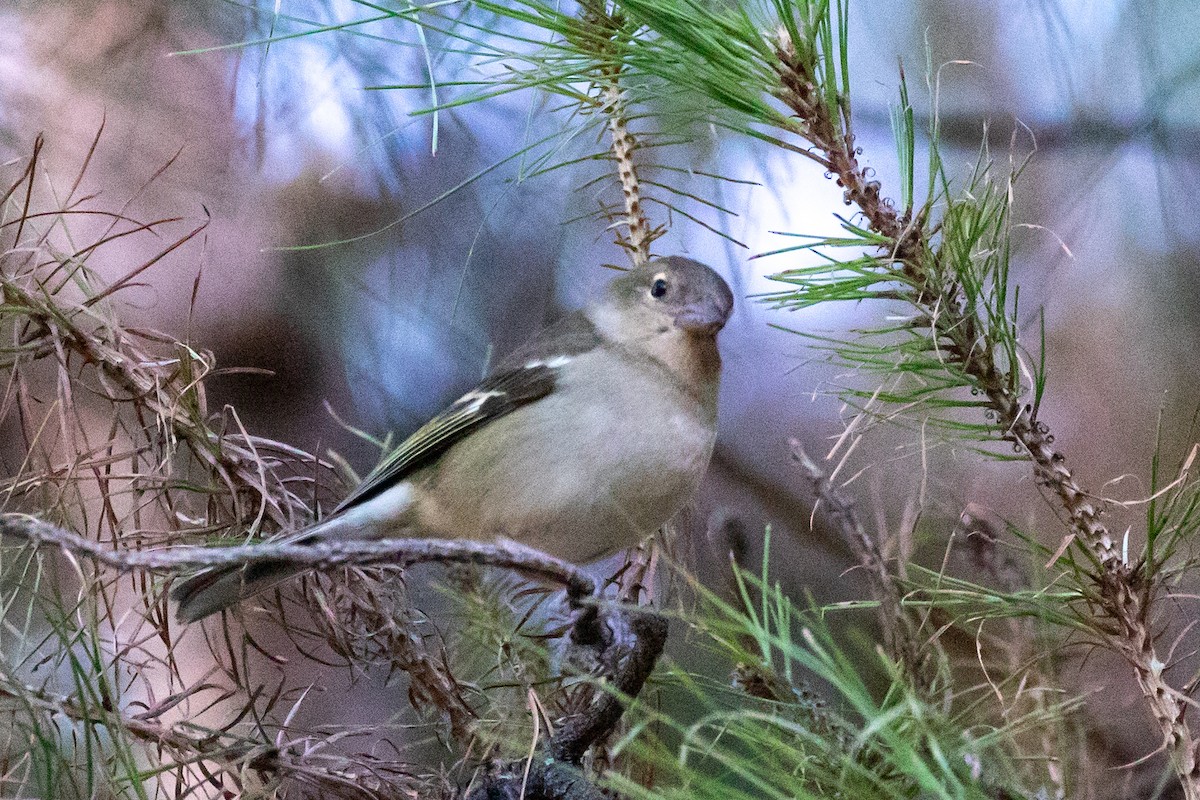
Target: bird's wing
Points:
(525, 377)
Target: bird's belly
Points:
(577, 480)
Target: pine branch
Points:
(948, 311)
(610, 33)
(640, 234)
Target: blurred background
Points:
(374, 260)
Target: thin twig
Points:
(623, 145)
(609, 37)
(318, 556)
(898, 627)
(167, 389)
(234, 755)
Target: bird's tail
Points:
(218, 588)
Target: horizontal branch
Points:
(317, 556)
(1079, 132)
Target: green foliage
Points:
(500, 634)
(769, 735)
(960, 298)
(55, 661)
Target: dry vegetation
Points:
(122, 469)
(117, 469)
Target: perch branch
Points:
(320, 556)
(630, 646)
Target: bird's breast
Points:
(595, 466)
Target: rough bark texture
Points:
(629, 643)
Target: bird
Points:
(582, 442)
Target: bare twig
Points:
(319, 556)
(233, 755)
(608, 36)
(169, 389)
(897, 626)
(623, 144)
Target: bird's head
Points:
(677, 292)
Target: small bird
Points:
(583, 442)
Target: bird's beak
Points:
(704, 318)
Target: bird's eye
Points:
(659, 288)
